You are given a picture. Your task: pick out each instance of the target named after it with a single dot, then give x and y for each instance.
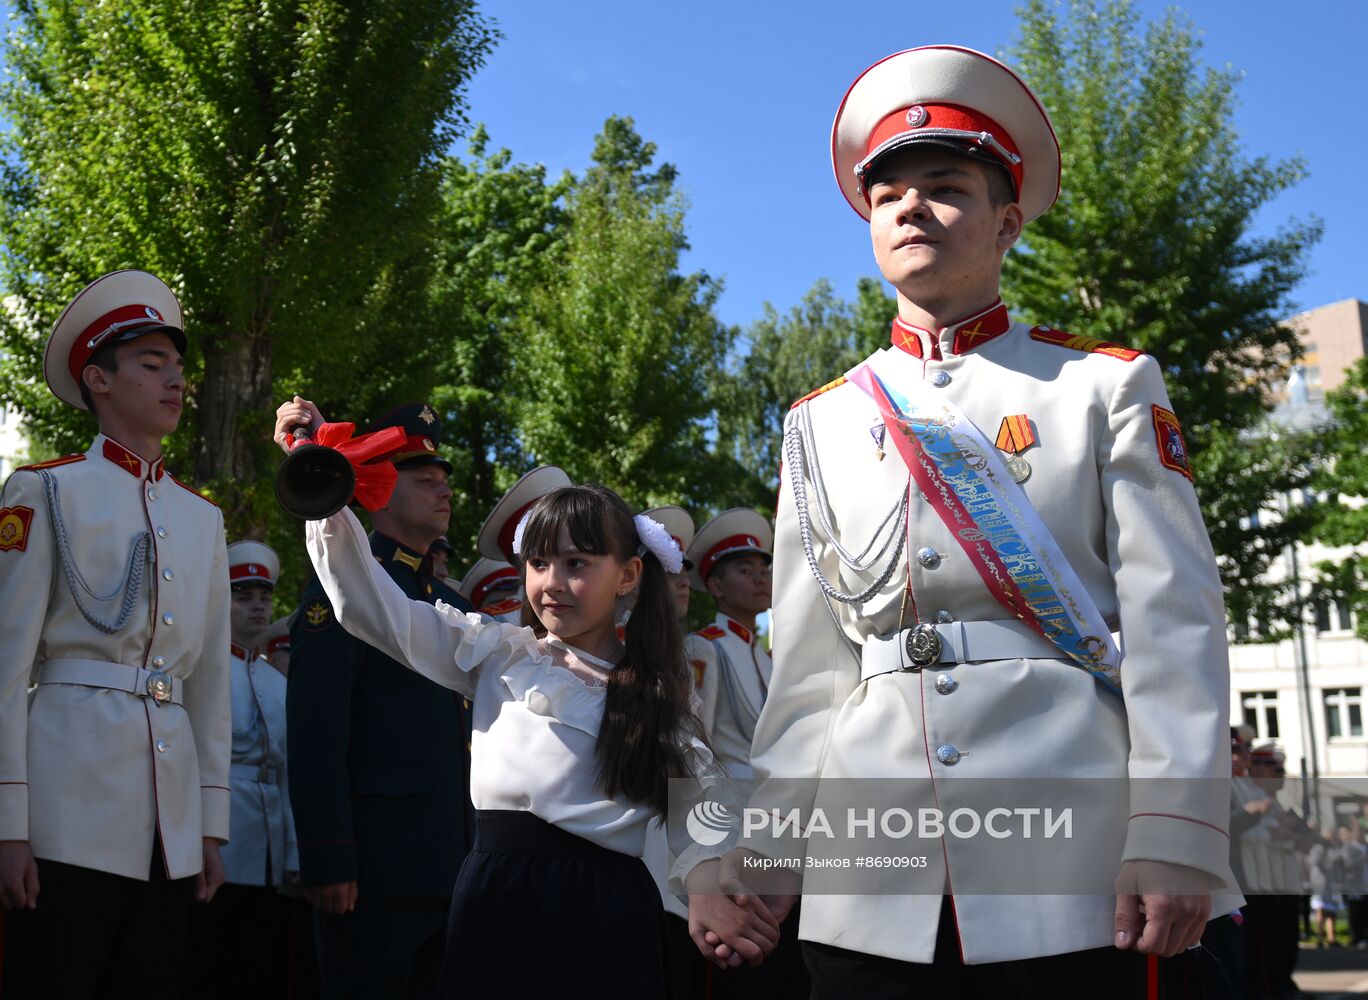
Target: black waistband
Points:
(515, 831)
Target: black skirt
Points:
(541, 912)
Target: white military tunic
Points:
(262, 824)
(1130, 527)
(89, 775)
(732, 674)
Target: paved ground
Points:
(1331, 973)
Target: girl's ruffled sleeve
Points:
(437, 641)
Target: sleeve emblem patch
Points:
(14, 528)
(316, 616)
(1173, 452)
(698, 668)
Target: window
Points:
(1261, 713)
(1322, 615)
(1343, 712)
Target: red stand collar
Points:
(968, 334)
(131, 462)
(736, 628)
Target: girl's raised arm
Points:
(442, 644)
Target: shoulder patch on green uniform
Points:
(51, 463)
(1089, 345)
(833, 384)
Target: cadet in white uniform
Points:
(114, 580)
(492, 587)
(732, 667)
(248, 916)
(908, 618)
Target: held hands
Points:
(728, 928)
(1161, 909)
(298, 412)
(19, 886)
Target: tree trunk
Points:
(236, 416)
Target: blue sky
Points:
(739, 95)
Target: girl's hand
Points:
(729, 930)
(298, 412)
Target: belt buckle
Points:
(159, 687)
(923, 646)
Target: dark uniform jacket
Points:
(379, 757)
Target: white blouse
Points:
(537, 702)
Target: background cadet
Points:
(240, 944)
(731, 557)
(379, 758)
(114, 774)
(495, 540)
(492, 587)
(274, 644)
(935, 667)
(440, 552)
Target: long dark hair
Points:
(646, 716)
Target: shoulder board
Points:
(833, 384)
(502, 607)
(51, 463)
(1090, 345)
(190, 489)
(711, 632)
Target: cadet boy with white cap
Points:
(114, 790)
(947, 154)
(248, 916)
(274, 643)
(678, 522)
(731, 557)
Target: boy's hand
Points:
(19, 886)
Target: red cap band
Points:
(932, 117)
(733, 543)
(245, 572)
(99, 331)
(492, 582)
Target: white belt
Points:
(263, 773)
(154, 684)
(953, 642)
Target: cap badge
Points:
(917, 116)
(152, 313)
(426, 415)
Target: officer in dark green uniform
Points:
(379, 758)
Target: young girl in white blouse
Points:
(576, 736)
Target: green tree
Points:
(276, 162)
(1340, 520)
(788, 356)
(1151, 246)
(499, 235)
(615, 358)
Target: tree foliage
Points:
(1151, 245)
(614, 360)
(499, 235)
(788, 356)
(275, 161)
(1340, 520)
